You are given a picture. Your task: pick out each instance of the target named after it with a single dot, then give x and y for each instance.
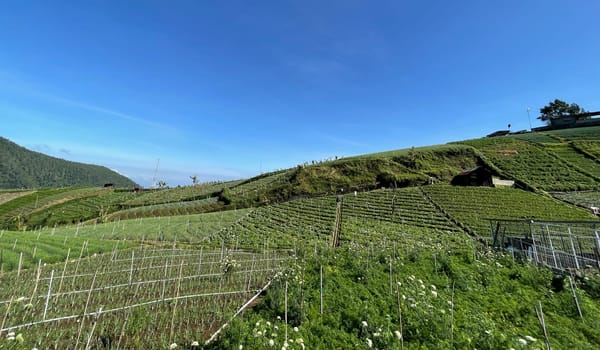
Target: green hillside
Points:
(553, 162)
(22, 168)
(166, 268)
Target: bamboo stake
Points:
(400, 317)
(37, 280)
(48, 295)
(175, 304)
(575, 297)
(286, 311)
(63, 271)
(87, 303)
(540, 315)
(452, 316)
(20, 264)
(321, 290)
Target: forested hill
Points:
(22, 168)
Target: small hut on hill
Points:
(478, 176)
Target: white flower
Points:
(530, 338)
(434, 293)
(268, 323)
(369, 343)
(10, 338)
(364, 323)
(433, 287)
(398, 335)
(240, 347)
(271, 342)
(195, 343)
(173, 346)
(376, 334)
(279, 317)
(522, 341)
(295, 329)
(10, 334)
(259, 333)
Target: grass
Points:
(418, 285)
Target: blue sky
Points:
(227, 89)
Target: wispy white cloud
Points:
(110, 112)
(16, 84)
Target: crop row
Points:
(472, 206)
(14, 213)
(569, 154)
(590, 147)
(252, 188)
(178, 194)
(530, 163)
(407, 206)
(166, 209)
(7, 196)
(79, 210)
(312, 220)
(26, 249)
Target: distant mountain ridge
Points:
(23, 168)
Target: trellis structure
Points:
(561, 245)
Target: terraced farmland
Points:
(7, 196)
(472, 206)
(179, 194)
(12, 213)
(167, 209)
(566, 152)
(26, 249)
(407, 206)
(98, 206)
(261, 183)
(529, 163)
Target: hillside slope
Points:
(22, 168)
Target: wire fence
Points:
(561, 245)
(208, 285)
